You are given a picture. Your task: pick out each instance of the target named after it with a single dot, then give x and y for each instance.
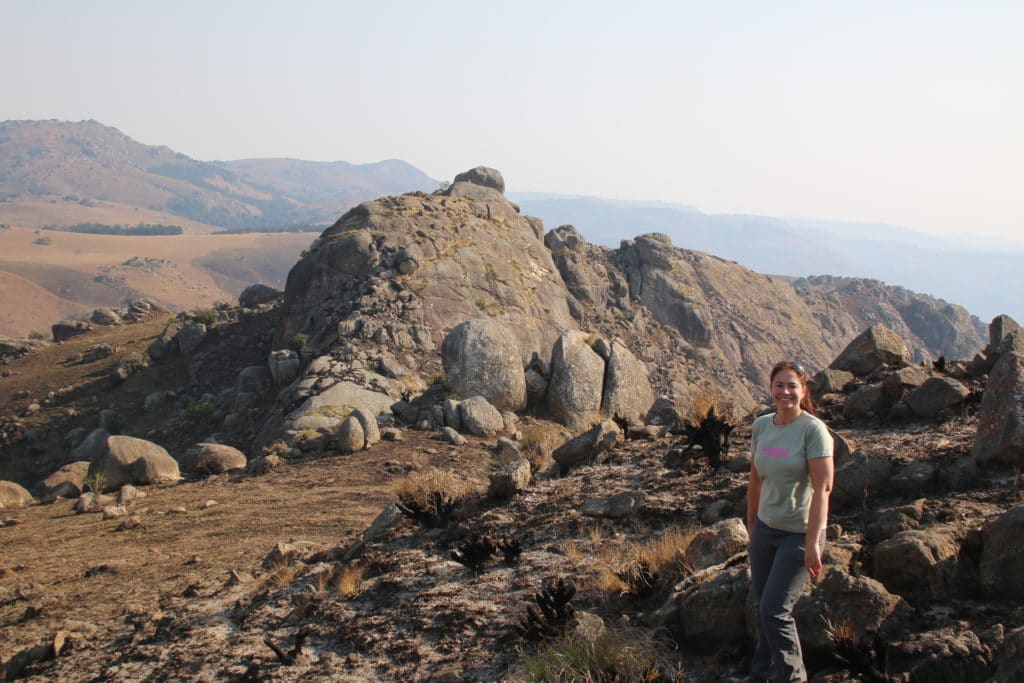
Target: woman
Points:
(787, 508)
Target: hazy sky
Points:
(909, 113)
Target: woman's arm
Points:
(753, 496)
(821, 470)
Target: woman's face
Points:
(787, 390)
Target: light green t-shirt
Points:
(780, 456)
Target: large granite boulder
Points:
(577, 376)
(328, 408)
(627, 387)
(129, 460)
(859, 603)
(13, 495)
(920, 564)
(870, 350)
(484, 176)
(936, 395)
(483, 358)
(1000, 434)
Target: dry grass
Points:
(702, 399)
(664, 554)
(277, 576)
(419, 488)
(842, 632)
(616, 654)
(540, 439)
(347, 580)
(572, 553)
(621, 565)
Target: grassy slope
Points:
(207, 268)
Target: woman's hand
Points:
(812, 559)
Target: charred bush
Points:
(552, 614)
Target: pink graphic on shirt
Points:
(775, 452)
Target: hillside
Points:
(979, 273)
(85, 166)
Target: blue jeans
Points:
(778, 577)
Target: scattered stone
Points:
(619, 506)
(287, 552)
(480, 417)
(453, 437)
(97, 352)
(131, 522)
(114, 512)
(129, 494)
(177, 510)
(510, 479)
(391, 434)
(208, 504)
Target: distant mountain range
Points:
(90, 163)
(55, 172)
(983, 274)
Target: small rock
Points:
(130, 523)
(179, 510)
(208, 504)
(114, 512)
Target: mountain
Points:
(981, 274)
(86, 165)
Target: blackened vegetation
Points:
(552, 614)
(862, 657)
(711, 432)
(624, 424)
(438, 511)
(940, 363)
(479, 547)
(287, 658)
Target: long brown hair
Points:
(806, 403)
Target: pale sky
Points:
(910, 113)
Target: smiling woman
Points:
(787, 507)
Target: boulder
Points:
(627, 387)
(716, 543)
(339, 401)
(350, 436)
(1000, 328)
(166, 344)
(1002, 556)
(511, 479)
(67, 482)
(714, 613)
(483, 176)
(920, 564)
(870, 350)
(13, 495)
(619, 506)
(288, 552)
(254, 379)
(118, 465)
(860, 603)
(212, 458)
(449, 435)
(105, 316)
(862, 478)
(483, 358)
(480, 417)
(951, 654)
(536, 389)
(190, 337)
(936, 395)
(868, 401)
(830, 381)
(284, 366)
(258, 294)
(590, 446)
(450, 407)
(913, 478)
(1000, 434)
(368, 421)
(577, 376)
(93, 446)
(63, 331)
(97, 352)
(898, 383)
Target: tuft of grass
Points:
(342, 411)
(616, 654)
(665, 553)
(96, 482)
(350, 581)
(538, 442)
(276, 577)
(596, 536)
(435, 378)
(704, 398)
(572, 553)
(199, 412)
(36, 335)
(432, 496)
(298, 341)
(206, 316)
(489, 306)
